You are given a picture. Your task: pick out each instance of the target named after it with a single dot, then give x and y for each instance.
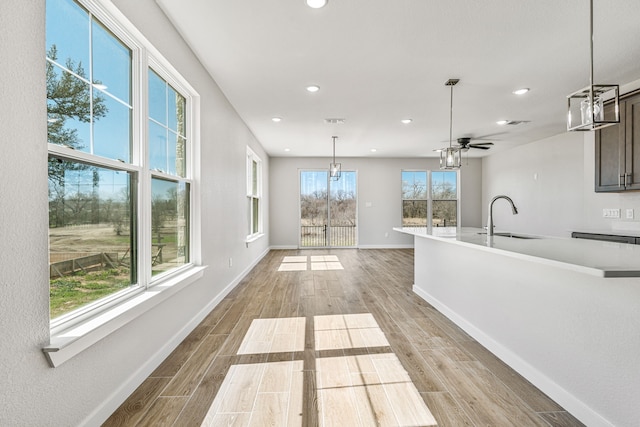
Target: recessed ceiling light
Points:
(316, 4)
(502, 122)
(406, 121)
(287, 149)
(521, 91)
(373, 150)
(313, 88)
(276, 119)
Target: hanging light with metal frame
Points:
(450, 157)
(586, 108)
(335, 169)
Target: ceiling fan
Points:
(465, 143)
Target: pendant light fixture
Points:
(585, 108)
(335, 169)
(450, 157)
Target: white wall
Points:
(573, 335)
(379, 184)
(87, 388)
(552, 181)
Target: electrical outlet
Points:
(611, 213)
(629, 213)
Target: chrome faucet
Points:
(490, 212)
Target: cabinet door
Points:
(632, 146)
(610, 154)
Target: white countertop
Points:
(603, 259)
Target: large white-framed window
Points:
(254, 195)
(123, 182)
(430, 198)
(414, 198)
(444, 195)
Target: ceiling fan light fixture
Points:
(316, 4)
(450, 158)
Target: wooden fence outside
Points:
(85, 263)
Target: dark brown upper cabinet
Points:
(618, 149)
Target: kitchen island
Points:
(564, 313)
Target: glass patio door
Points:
(328, 209)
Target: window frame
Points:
(431, 199)
(426, 198)
(429, 196)
(253, 196)
(143, 57)
(180, 86)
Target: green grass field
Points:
(71, 292)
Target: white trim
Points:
(283, 247)
(254, 237)
(250, 159)
(70, 334)
(398, 246)
(70, 342)
(110, 404)
(569, 402)
(426, 197)
(84, 157)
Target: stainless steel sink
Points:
(513, 235)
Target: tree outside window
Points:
(414, 198)
(444, 196)
(99, 194)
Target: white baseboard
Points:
(100, 414)
(403, 246)
(282, 247)
(565, 399)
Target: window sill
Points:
(67, 344)
(253, 238)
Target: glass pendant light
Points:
(586, 108)
(450, 157)
(335, 169)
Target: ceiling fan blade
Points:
(482, 143)
(490, 135)
(480, 147)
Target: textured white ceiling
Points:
(379, 61)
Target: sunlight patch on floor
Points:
(342, 331)
(368, 390)
(352, 390)
(281, 335)
(259, 394)
(317, 263)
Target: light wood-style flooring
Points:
(333, 337)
